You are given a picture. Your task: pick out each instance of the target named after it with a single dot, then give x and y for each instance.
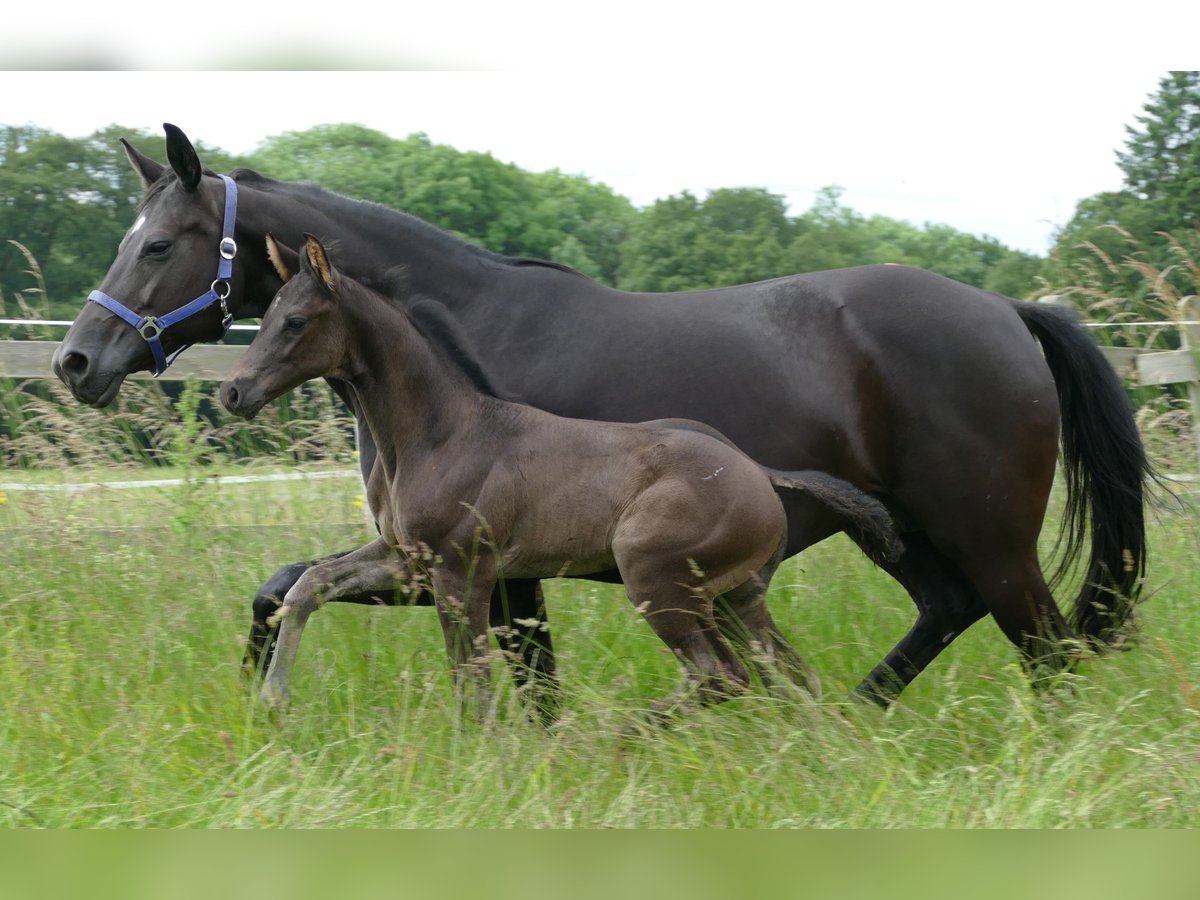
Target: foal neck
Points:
(413, 397)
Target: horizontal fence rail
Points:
(212, 362)
(206, 362)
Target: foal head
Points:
(302, 336)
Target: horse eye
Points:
(156, 248)
(295, 324)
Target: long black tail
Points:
(866, 519)
(1105, 469)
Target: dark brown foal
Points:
(492, 488)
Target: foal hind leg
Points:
(683, 619)
(744, 619)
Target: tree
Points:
(1128, 252)
(69, 202)
(1161, 160)
(681, 243)
(474, 195)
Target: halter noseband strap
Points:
(151, 328)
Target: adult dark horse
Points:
(932, 395)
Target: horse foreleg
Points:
(372, 568)
(518, 618)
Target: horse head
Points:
(174, 281)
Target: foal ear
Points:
(148, 171)
(285, 260)
(182, 156)
(318, 263)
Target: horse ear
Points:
(285, 260)
(182, 156)
(148, 171)
(318, 263)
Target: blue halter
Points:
(151, 328)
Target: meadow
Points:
(122, 703)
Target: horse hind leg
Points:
(947, 605)
(1018, 598)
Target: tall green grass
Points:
(122, 615)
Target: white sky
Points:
(995, 126)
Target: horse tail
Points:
(1105, 469)
(867, 520)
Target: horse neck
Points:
(373, 244)
(413, 399)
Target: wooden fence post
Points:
(1190, 331)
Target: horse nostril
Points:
(231, 397)
(75, 364)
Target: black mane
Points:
(437, 325)
(387, 219)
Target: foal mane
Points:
(435, 323)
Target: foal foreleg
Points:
(518, 615)
(462, 590)
(375, 567)
(518, 618)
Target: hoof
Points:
(274, 699)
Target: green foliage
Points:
(1161, 160)
(547, 216)
(737, 235)
(1116, 238)
(69, 201)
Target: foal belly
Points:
(568, 555)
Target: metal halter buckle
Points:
(150, 328)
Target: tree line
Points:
(69, 201)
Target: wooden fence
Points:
(211, 362)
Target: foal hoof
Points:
(274, 699)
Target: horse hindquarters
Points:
(980, 494)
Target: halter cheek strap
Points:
(151, 328)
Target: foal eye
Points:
(295, 324)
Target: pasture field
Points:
(122, 616)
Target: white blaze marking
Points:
(138, 224)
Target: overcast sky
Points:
(989, 139)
